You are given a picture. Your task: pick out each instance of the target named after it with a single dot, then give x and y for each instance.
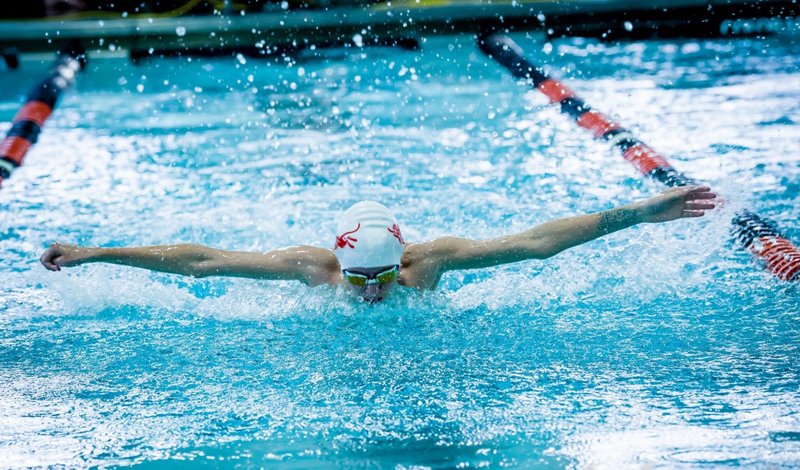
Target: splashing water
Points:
(658, 346)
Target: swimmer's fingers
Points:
(702, 206)
(702, 195)
(49, 257)
(677, 203)
(700, 192)
(690, 193)
(58, 256)
(697, 201)
(693, 214)
(693, 208)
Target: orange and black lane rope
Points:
(763, 238)
(39, 104)
(756, 234)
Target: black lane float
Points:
(755, 233)
(40, 102)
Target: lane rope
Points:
(39, 104)
(758, 235)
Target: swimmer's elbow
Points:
(202, 269)
(540, 248)
(197, 261)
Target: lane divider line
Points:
(756, 234)
(39, 104)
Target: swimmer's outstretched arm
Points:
(307, 264)
(551, 238)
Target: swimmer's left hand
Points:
(58, 256)
(677, 203)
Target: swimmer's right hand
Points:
(58, 256)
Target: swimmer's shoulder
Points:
(319, 265)
(421, 264)
(433, 251)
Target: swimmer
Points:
(370, 256)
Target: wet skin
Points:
(422, 263)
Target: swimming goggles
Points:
(384, 277)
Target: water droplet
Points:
(180, 31)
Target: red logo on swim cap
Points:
(345, 240)
(395, 230)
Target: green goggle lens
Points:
(386, 276)
(356, 279)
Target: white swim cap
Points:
(368, 237)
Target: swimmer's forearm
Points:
(177, 259)
(559, 235)
(619, 219)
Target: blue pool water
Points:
(661, 346)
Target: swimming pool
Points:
(660, 346)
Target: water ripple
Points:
(661, 346)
